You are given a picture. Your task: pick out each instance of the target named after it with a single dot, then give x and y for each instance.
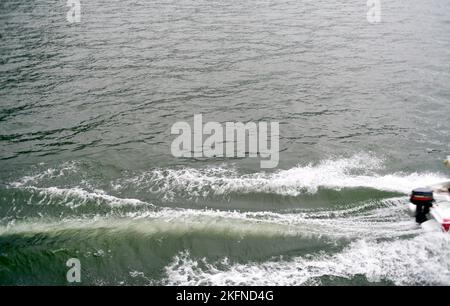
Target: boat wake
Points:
(359, 171)
(423, 260)
(370, 237)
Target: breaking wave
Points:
(385, 218)
(358, 171)
(423, 260)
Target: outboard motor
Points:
(423, 199)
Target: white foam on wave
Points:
(424, 259)
(357, 171)
(360, 170)
(384, 218)
(46, 174)
(76, 196)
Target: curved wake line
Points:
(384, 218)
(421, 260)
(76, 196)
(358, 171)
(355, 172)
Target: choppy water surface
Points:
(85, 164)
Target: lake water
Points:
(86, 169)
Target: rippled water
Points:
(86, 170)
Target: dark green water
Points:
(85, 164)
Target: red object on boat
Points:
(446, 225)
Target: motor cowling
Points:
(422, 196)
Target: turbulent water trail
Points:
(358, 171)
(369, 236)
(355, 172)
(420, 260)
(372, 218)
